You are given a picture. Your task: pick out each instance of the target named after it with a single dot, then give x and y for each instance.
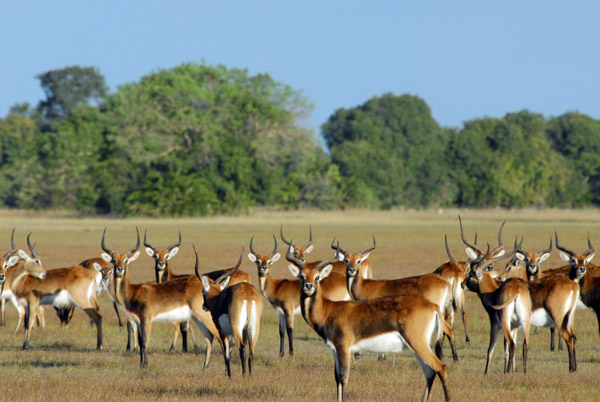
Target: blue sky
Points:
(466, 59)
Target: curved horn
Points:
(338, 246)
(291, 258)
(561, 248)
(34, 254)
(196, 270)
(590, 247)
(133, 250)
(12, 244)
(274, 248)
(309, 238)
(106, 249)
(232, 271)
(251, 248)
(146, 243)
(172, 246)
(448, 249)
(368, 249)
(283, 238)
(324, 263)
(500, 244)
(549, 249)
(462, 235)
(481, 257)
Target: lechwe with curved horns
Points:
(387, 324)
(432, 286)
(236, 311)
(61, 287)
(284, 294)
(508, 304)
(174, 301)
(6, 274)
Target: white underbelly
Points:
(60, 299)
(386, 343)
(176, 315)
(541, 318)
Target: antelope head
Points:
(300, 252)
(309, 278)
(353, 261)
(32, 264)
(480, 265)
(263, 261)
(578, 263)
(120, 261)
(210, 290)
(162, 257)
(532, 261)
(474, 252)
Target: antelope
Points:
(236, 311)
(175, 301)
(6, 274)
(283, 294)
(507, 303)
(387, 324)
(61, 287)
(553, 299)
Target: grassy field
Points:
(63, 364)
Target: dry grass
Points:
(64, 365)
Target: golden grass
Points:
(63, 364)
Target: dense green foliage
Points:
(199, 140)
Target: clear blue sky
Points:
(466, 59)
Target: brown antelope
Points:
(553, 298)
(387, 324)
(6, 275)
(61, 287)
(173, 301)
(236, 311)
(507, 303)
(455, 272)
(284, 294)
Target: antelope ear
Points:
(172, 253)
(24, 255)
(544, 257)
(588, 259)
(134, 257)
(325, 272)
(12, 261)
(252, 257)
(97, 267)
(471, 253)
(520, 256)
(106, 257)
(564, 256)
(364, 257)
(150, 251)
(205, 284)
(275, 257)
(341, 257)
(224, 284)
(500, 253)
(294, 270)
(309, 249)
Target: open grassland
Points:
(63, 364)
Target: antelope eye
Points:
(302, 276)
(155, 256)
(37, 262)
(113, 261)
(295, 252)
(269, 262)
(316, 277)
(346, 260)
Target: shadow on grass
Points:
(39, 364)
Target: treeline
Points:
(198, 140)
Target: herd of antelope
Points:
(338, 298)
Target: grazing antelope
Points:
(174, 301)
(61, 287)
(507, 303)
(387, 324)
(6, 275)
(236, 311)
(283, 294)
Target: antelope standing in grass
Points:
(284, 294)
(61, 287)
(236, 311)
(387, 324)
(179, 300)
(508, 304)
